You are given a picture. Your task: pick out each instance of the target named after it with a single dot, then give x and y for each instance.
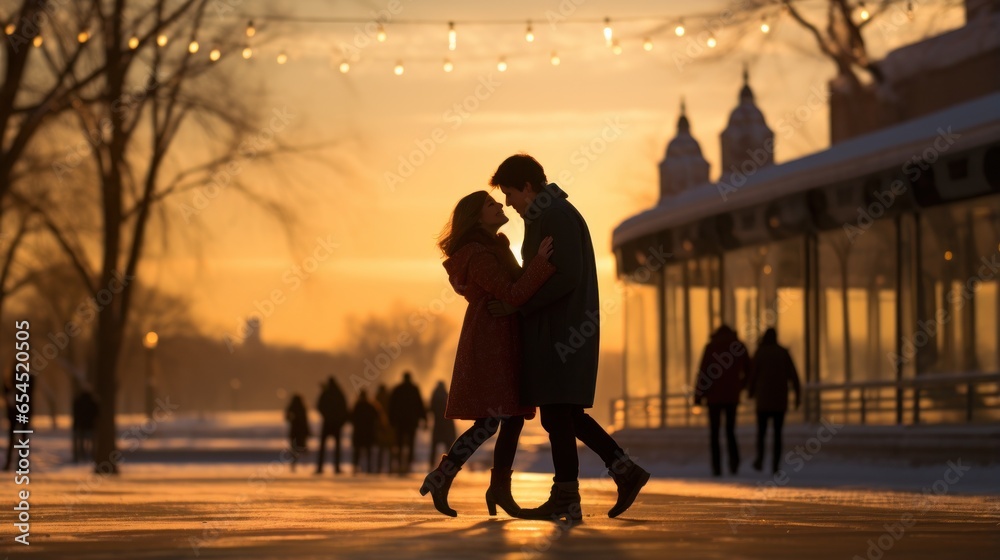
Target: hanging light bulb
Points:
(345, 67)
(529, 35)
(161, 40)
(909, 10)
(764, 27)
(502, 65)
(608, 32)
(679, 30)
(193, 47)
(282, 57)
(711, 41)
(398, 70)
(10, 29)
(83, 36)
(380, 34)
(251, 30)
(37, 41)
(448, 66)
(647, 44)
(247, 52)
(452, 36)
(215, 55)
(133, 42)
(554, 58)
(616, 47)
(864, 11)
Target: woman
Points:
(298, 427)
(485, 382)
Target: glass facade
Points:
(896, 322)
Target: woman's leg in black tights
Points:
(467, 443)
(506, 446)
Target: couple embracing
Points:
(514, 353)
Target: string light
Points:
(529, 35)
(282, 57)
(608, 32)
(193, 47)
(380, 34)
(452, 36)
(909, 10)
(711, 41)
(616, 47)
(764, 27)
(345, 67)
(10, 29)
(215, 55)
(448, 66)
(864, 11)
(37, 41)
(247, 53)
(554, 59)
(83, 36)
(679, 30)
(162, 40)
(398, 70)
(251, 30)
(502, 65)
(647, 44)
(133, 42)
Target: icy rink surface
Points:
(175, 499)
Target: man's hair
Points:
(517, 170)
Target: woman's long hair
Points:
(464, 221)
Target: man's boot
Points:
(564, 501)
(630, 478)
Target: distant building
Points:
(877, 260)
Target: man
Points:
(722, 374)
(406, 412)
(561, 340)
(332, 406)
(85, 412)
(773, 371)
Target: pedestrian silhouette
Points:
(19, 382)
(85, 411)
(298, 427)
(366, 419)
(725, 364)
(385, 436)
(443, 433)
(332, 406)
(772, 372)
(406, 411)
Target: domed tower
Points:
(746, 137)
(683, 166)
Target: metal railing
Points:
(927, 399)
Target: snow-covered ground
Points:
(219, 488)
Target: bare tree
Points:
(140, 105)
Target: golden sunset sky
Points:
(623, 106)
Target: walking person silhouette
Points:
(332, 406)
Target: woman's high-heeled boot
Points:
(498, 494)
(438, 483)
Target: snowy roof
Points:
(948, 49)
(976, 122)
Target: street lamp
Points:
(149, 343)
